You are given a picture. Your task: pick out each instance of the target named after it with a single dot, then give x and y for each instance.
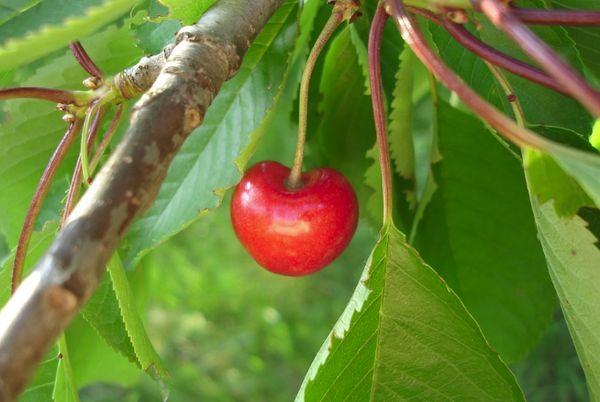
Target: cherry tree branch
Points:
(204, 57)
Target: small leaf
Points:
(583, 166)
(406, 335)
(51, 25)
(113, 313)
(548, 181)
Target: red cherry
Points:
(293, 231)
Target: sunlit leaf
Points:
(113, 313)
(406, 335)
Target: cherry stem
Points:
(501, 16)
(295, 179)
(486, 52)
(76, 179)
(52, 95)
(85, 61)
(106, 138)
(375, 35)
(39, 196)
(557, 17)
(415, 39)
(91, 123)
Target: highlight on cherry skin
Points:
(293, 231)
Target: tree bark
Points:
(205, 55)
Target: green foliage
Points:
(478, 232)
(113, 313)
(52, 24)
(208, 162)
(388, 345)
(572, 254)
(227, 330)
(548, 181)
(585, 39)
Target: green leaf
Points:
(113, 313)
(406, 335)
(41, 387)
(65, 389)
(572, 254)
(583, 166)
(31, 129)
(153, 27)
(548, 181)
(479, 233)
(188, 11)
(52, 24)
(11, 8)
(401, 119)
(93, 360)
(209, 161)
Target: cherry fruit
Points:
(293, 231)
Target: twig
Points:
(205, 56)
(106, 138)
(91, 124)
(501, 16)
(52, 95)
(85, 60)
(76, 178)
(558, 17)
(38, 199)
